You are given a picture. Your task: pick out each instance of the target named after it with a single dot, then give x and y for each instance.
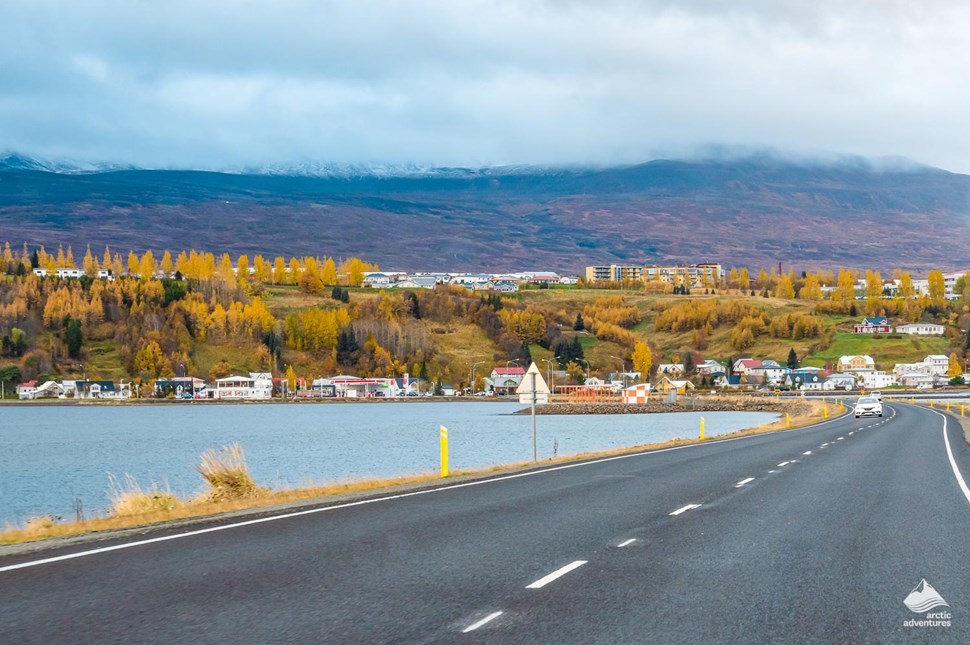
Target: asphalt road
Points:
(812, 535)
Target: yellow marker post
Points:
(961, 410)
(702, 428)
(947, 406)
(825, 412)
(444, 451)
(912, 400)
(787, 420)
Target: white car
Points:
(868, 406)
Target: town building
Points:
(873, 325)
(855, 363)
(921, 329)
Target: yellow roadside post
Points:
(702, 428)
(912, 400)
(961, 410)
(825, 412)
(444, 451)
(787, 420)
(947, 406)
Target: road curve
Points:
(812, 535)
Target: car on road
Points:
(868, 406)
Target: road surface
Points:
(811, 535)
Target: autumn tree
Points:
(954, 368)
(151, 361)
(642, 360)
(785, 289)
(937, 288)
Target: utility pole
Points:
(534, 458)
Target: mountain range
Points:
(755, 211)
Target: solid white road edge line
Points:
(626, 542)
(743, 482)
(807, 452)
(375, 500)
(782, 464)
(487, 619)
(558, 573)
(684, 509)
(953, 463)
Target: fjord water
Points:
(52, 455)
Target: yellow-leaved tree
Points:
(954, 369)
(642, 360)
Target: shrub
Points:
(227, 474)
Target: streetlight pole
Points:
(505, 390)
(551, 374)
(471, 376)
(622, 368)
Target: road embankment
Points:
(792, 406)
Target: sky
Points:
(226, 84)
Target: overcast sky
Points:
(230, 83)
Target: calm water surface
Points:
(50, 455)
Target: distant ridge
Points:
(756, 211)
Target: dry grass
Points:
(128, 499)
(227, 474)
(45, 527)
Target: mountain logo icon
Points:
(924, 598)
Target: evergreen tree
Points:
(73, 337)
(34, 259)
(347, 347)
(792, 359)
(579, 325)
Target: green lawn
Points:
(884, 350)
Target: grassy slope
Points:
(461, 344)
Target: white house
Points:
(875, 380)
(839, 382)
(921, 329)
(938, 364)
(257, 385)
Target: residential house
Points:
(772, 372)
(383, 280)
(25, 390)
(257, 385)
(671, 369)
(666, 385)
(69, 272)
(504, 380)
(745, 365)
(504, 286)
(876, 380)
(855, 363)
(873, 325)
(938, 364)
(921, 329)
(709, 368)
(100, 390)
(417, 282)
(839, 382)
(181, 387)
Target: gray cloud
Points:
(234, 83)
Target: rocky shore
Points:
(684, 404)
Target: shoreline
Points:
(38, 533)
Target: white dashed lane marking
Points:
(684, 509)
(481, 622)
(558, 573)
(743, 482)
